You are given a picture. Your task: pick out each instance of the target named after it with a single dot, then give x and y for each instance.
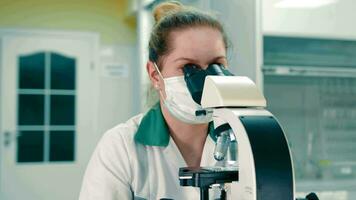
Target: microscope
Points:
(252, 152)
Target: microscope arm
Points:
(264, 162)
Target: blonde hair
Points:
(164, 9)
(171, 16)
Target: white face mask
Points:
(180, 103)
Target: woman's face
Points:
(199, 45)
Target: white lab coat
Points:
(121, 168)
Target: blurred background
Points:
(70, 70)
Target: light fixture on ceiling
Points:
(304, 3)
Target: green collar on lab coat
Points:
(153, 130)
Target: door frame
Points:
(90, 37)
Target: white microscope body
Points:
(263, 156)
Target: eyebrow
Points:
(193, 60)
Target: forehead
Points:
(197, 42)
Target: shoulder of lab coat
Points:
(108, 175)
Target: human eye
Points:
(190, 69)
(191, 66)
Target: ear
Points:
(153, 75)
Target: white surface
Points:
(116, 101)
(304, 3)
(114, 70)
(330, 21)
(144, 25)
(57, 180)
(242, 20)
(231, 91)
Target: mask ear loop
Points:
(156, 67)
(160, 75)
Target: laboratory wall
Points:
(102, 37)
(333, 20)
(309, 81)
(115, 23)
(110, 18)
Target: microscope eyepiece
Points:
(218, 70)
(194, 77)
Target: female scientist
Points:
(140, 159)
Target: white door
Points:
(47, 121)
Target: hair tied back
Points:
(164, 9)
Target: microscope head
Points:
(231, 91)
(217, 87)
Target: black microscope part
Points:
(222, 128)
(205, 177)
(194, 77)
(200, 112)
(218, 70)
(312, 196)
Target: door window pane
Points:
(31, 109)
(62, 146)
(32, 71)
(62, 72)
(41, 106)
(62, 109)
(30, 146)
